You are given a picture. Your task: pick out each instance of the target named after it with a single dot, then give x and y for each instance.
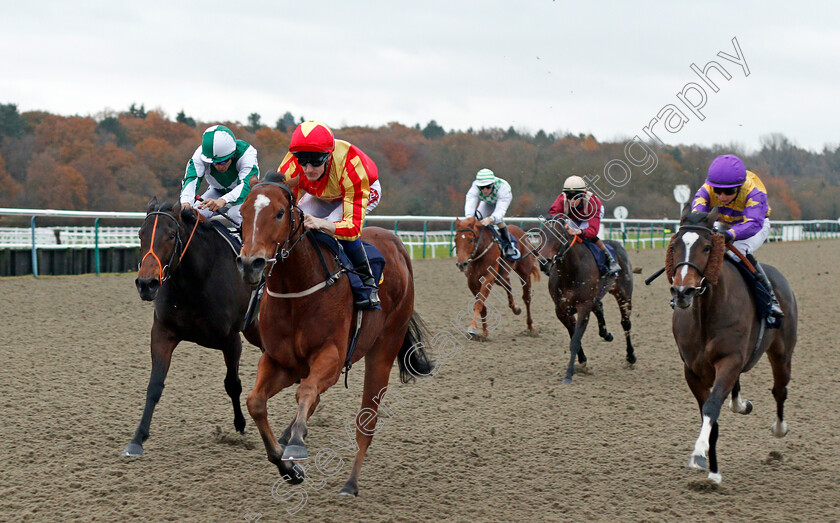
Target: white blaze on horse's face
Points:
(688, 240)
(261, 203)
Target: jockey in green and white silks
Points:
(491, 196)
(227, 164)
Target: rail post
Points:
(96, 244)
(34, 250)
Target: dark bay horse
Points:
(480, 258)
(716, 328)
(305, 326)
(576, 286)
(189, 271)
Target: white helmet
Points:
(217, 144)
(574, 183)
(485, 177)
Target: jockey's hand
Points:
(212, 204)
(571, 230)
(185, 205)
(486, 221)
(311, 222)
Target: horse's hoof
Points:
(517, 311)
(239, 426)
(608, 337)
(295, 453)
(631, 359)
(779, 430)
(349, 489)
(133, 450)
(295, 476)
(715, 477)
(697, 462)
(567, 380)
(749, 408)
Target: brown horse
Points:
(480, 258)
(717, 330)
(576, 286)
(306, 325)
(189, 270)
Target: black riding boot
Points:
(775, 308)
(507, 246)
(362, 266)
(612, 266)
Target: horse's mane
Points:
(715, 263)
(274, 177)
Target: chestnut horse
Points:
(189, 271)
(717, 330)
(480, 258)
(577, 286)
(306, 324)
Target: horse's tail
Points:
(412, 358)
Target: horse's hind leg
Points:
(526, 297)
(324, 371)
(780, 363)
(602, 324)
(271, 379)
(233, 386)
(625, 306)
(378, 365)
(736, 404)
(163, 343)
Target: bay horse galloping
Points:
(306, 320)
(480, 258)
(717, 330)
(577, 286)
(189, 270)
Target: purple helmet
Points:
(727, 171)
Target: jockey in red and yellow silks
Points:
(336, 185)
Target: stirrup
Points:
(371, 302)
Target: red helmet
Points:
(312, 136)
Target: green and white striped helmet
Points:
(218, 144)
(485, 177)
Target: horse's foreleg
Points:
(727, 370)
(271, 379)
(625, 306)
(526, 297)
(480, 309)
(324, 371)
(233, 386)
(504, 281)
(575, 346)
(736, 404)
(780, 363)
(377, 370)
(163, 343)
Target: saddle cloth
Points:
(600, 257)
(377, 263)
(760, 294)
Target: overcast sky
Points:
(605, 68)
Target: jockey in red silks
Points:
(585, 211)
(336, 185)
(741, 200)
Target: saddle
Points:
(760, 294)
(377, 263)
(501, 243)
(600, 257)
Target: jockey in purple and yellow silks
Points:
(741, 200)
(336, 185)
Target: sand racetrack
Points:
(494, 436)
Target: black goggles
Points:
(314, 159)
(729, 191)
(573, 194)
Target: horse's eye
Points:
(172, 235)
(707, 248)
(280, 214)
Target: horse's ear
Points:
(153, 204)
(712, 217)
(685, 213)
(176, 209)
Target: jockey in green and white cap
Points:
(227, 164)
(491, 196)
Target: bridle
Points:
(477, 240)
(164, 270)
(703, 285)
(575, 239)
(284, 249)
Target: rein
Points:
(163, 271)
(477, 237)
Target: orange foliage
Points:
(779, 191)
(53, 185)
(397, 153)
(590, 144)
(9, 185)
(65, 138)
(155, 126)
